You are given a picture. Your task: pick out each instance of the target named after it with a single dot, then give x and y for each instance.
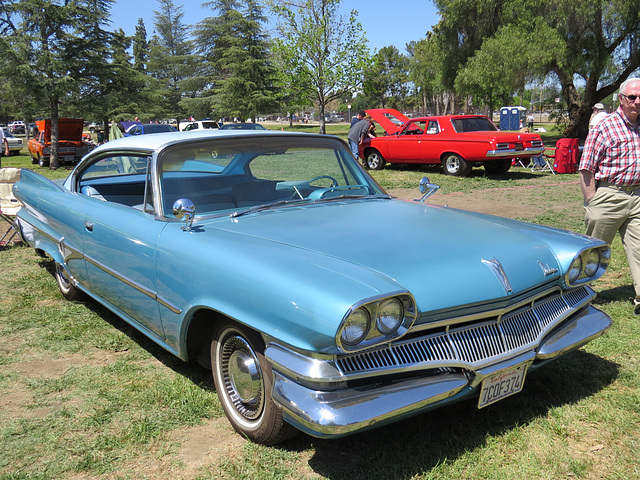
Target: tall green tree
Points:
(387, 81)
(171, 60)
(323, 53)
(589, 46)
(47, 51)
(241, 76)
(140, 47)
(427, 71)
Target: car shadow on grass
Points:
(421, 443)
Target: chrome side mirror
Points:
(183, 207)
(427, 189)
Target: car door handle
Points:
(89, 226)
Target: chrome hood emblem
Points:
(547, 270)
(496, 267)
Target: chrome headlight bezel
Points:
(390, 317)
(588, 265)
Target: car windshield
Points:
(473, 124)
(226, 175)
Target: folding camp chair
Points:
(520, 162)
(9, 204)
(544, 162)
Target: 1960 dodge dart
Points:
(319, 302)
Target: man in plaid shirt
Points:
(610, 179)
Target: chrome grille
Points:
(476, 343)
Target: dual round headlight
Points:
(372, 321)
(589, 265)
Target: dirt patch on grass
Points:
(526, 202)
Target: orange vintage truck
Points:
(71, 147)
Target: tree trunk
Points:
(53, 157)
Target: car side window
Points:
(118, 179)
(432, 127)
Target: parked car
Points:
(458, 142)
(146, 128)
(71, 147)
(17, 127)
(259, 255)
(93, 127)
(242, 126)
(15, 144)
(33, 129)
(198, 125)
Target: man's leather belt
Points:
(624, 188)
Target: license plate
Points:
(519, 147)
(502, 384)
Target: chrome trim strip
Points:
(423, 322)
(132, 283)
(68, 252)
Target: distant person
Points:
(357, 133)
(530, 120)
(372, 127)
(359, 116)
(598, 114)
(4, 145)
(610, 179)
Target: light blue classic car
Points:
(319, 302)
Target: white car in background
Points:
(15, 144)
(198, 125)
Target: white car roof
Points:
(155, 141)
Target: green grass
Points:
(86, 396)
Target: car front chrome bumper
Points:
(334, 413)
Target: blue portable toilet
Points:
(510, 117)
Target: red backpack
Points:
(566, 157)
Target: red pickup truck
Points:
(71, 147)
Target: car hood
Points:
(69, 129)
(444, 257)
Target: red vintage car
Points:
(458, 142)
(71, 145)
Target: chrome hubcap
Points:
(242, 377)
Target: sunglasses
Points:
(631, 98)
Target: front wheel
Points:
(456, 166)
(374, 160)
(497, 167)
(243, 380)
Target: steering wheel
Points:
(334, 182)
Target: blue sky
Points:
(385, 22)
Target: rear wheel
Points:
(65, 284)
(243, 380)
(456, 166)
(374, 160)
(497, 167)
